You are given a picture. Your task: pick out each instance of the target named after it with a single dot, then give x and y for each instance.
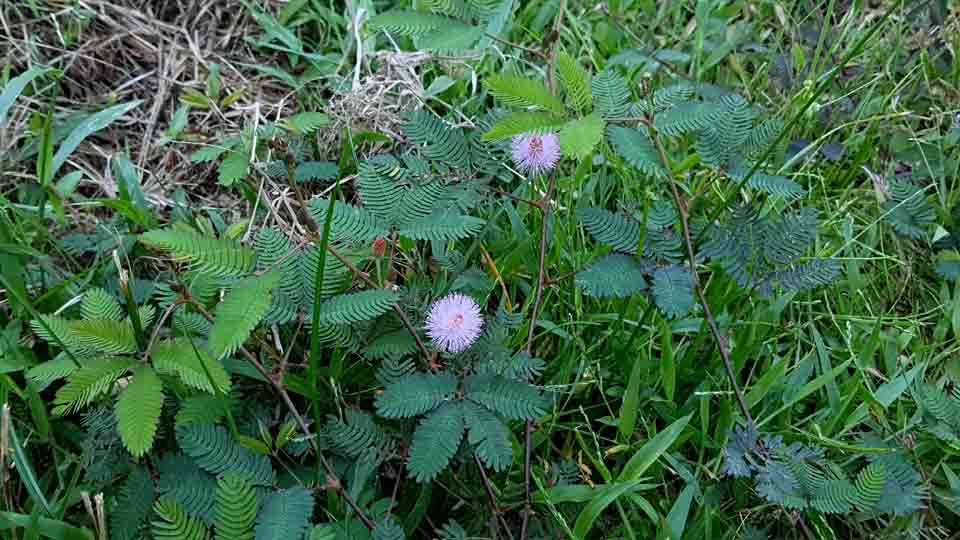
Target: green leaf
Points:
(652, 450)
(45, 527)
(138, 411)
(435, 441)
(636, 148)
(523, 92)
(196, 369)
(489, 435)
(576, 81)
(99, 304)
(520, 123)
(512, 399)
(133, 505)
(415, 394)
(285, 514)
(105, 336)
(236, 508)
(89, 382)
(216, 256)
(235, 167)
(240, 312)
(677, 518)
(24, 468)
(673, 290)
(413, 23)
(388, 529)
(173, 523)
(631, 402)
(15, 87)
(579, 137)
(91, 125)
(612, 276)
(603, 498)
(356, 307)
(306, 123)
(128, 180)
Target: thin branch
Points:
(711, 321)
(277, 385)
(534, 52)
(488, 487)
(537, 300)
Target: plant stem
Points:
(711, 321)
(537, 300)
(488, 487)
(298, 418)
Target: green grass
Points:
(634, 444)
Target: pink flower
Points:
(536, 154)
(454, 322)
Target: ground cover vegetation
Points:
(459, 269)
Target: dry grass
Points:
(124, 50)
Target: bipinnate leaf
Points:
(240, 312)
(138, 410)
(435, 441)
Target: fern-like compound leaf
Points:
(133, 505)
(315, 171)
(611, 95)
(870, 483)
(776, 186)
(438, 140)
(356, 307)
(88, 383)
(354, 435)
(579, 137)
(46, 373)
(435, 441)
(908, 210)
(236, 508)
(392, 370)
(105, 336)
(718, 143)
(214, 450)
(173, 523)
(636, 148)
(615, 230)
(306, 122)
(511, 399)
(138, 411)
(388, 529)
(240, 312)
(416, 394)
(442, 226)
(673, 290)
(453, 531)
(413, 23)
(195, 367)
(576, 82)
(523, 92)
(56, 331)
(519, 123)
(687, 117)
(350, 223)
(216, 256)
(181, 480)
(394, 344)
(612, 276)
(285, 514)
(378, 179)
(202, 409)
(99, 304)
(667, 97)
(489, 436)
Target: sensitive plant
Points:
(445, 322)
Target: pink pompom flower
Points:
(454, 323)
(536, 154)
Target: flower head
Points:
(536, 154)
(454, 322)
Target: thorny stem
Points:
(277, 385)
(683, 210)
(156, 331)
(537, 299)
